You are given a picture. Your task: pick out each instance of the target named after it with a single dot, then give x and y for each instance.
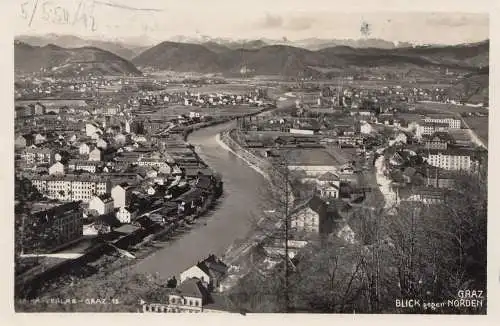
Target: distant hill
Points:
(312, 44)
(69, 41)
(474, 88)
(318, 44)
(69, 62)
(292, 61)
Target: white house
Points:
(120, 139)
(84, 149)
(195, 272)
(451, 159)
(95, 155)
(209, 271)
(401, 138)
(328, 185)
(101, 143)
(91, 128)
(102, 204)
(127, 127)
(126, 214)
(39, 139)
(56, 169)
(194, 114)
(366, 128)
(121, 194)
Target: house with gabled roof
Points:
(210, 271)
(312, 217)
(190, 296)
(102, 204)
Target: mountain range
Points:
(124, 50)
(292, 61)
(253, 57)
(70, 62)
(130, 47)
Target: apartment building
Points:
(38, 155)
(89, 166)
(53, 226)
(451, 159)
(453, 123)
(428, 128)
(71, 187)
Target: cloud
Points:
(271, 21)
(300, 23)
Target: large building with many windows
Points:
(191, 296)
(428, 128)
(451, 159)
(453, 123)
(51, 226)
(71, 187)
(38, 155)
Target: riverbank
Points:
(225, 146)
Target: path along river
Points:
(242, 203)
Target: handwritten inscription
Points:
(81, 13)
(56, 13)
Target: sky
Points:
(153, 21)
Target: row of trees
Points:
(419, 252)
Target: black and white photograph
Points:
(249, 157)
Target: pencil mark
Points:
(120, 6)
(85, 14)
(33, 12)
(24, 13)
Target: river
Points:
(238, 209)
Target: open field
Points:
(480, 126)
(449, 108)
(216, 88)
(54, 102)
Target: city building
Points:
(84, 165)
(95, 155)
(428, 128)
(427, 196)
(190, 296)
(210, 271)
(328, 185)
(438, 140)
(84, 149)
(102, 204)
(56, 169)
(312, 217)
(453, 123)
(126, 214)
(450, 159)
(91, 129)
(23, 141)
(121, 194)
(71, 187)
(52, 226)
(366, 128)
(37, 155)
(101, 144)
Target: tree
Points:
(329, 278)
